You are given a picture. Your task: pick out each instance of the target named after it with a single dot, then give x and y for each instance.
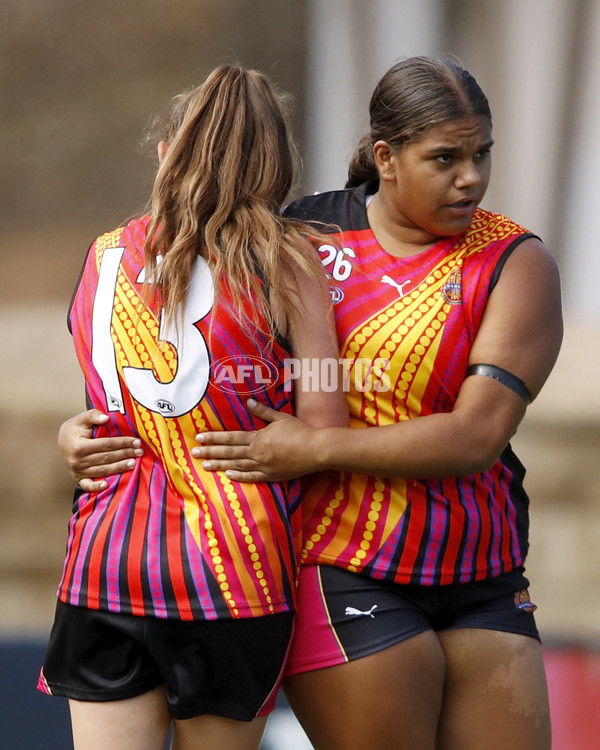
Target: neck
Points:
(394, 235)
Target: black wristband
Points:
(502, 376)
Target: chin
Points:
(459, 226)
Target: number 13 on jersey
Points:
(185, 390)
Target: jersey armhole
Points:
(505, 256)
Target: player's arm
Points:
(88, 458)
(317, 402)
(521, 333)
(313, 336)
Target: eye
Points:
(482, 154)
(444, 158)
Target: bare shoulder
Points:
(531, 258)
(529, 284)
(522, 326)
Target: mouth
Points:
(462, 207)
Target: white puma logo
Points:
(354, 611)
(391, 282)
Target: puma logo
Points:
(357, 612)
(391, 282)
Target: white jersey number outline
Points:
(186, 389)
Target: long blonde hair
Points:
(218, 192)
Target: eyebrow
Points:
(441, 149)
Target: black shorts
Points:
(226, 668)
(343, 616)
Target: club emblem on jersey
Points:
(395, 284)
(522, 601)
(452, 289)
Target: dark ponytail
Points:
(362, 166)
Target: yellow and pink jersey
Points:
(406, 326)
(169, 539)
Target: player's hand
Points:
(90, 458)
(277, 452)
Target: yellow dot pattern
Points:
(197, 508)
(257, 566)
(110, 239)
(375, 507)
(482, 231)
(417, 320)
(141, 332)
(321, 529)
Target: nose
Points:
(468, 175)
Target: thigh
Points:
(139, 723)
(495, 696)
(389, 699)
(217, 733)
(343, 616)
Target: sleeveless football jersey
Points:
(406, 326)
(169, 539)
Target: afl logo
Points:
(164, 406)
(244, 375)
(336, 294)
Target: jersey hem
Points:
(414, 576)
(143, 610)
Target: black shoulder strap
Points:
(506, 255)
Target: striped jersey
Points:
(406, 326)
(169, 539)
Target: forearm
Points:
(467, 440)
(437, 445)
(396, 450)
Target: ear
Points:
(384, 158)
(162, 150)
